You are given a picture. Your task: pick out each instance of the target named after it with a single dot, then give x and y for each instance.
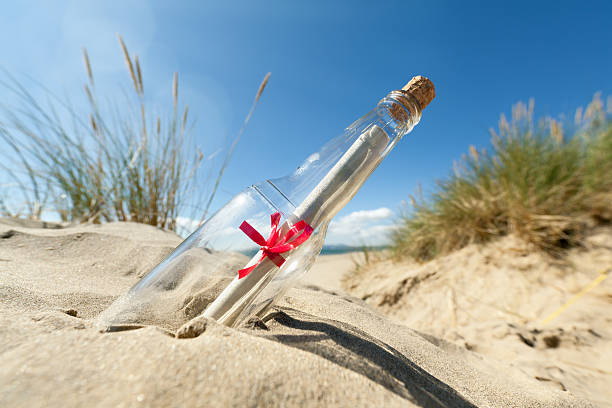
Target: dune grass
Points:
(101, 163)
(537, 183)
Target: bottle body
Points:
(196, 272)
(199, 276)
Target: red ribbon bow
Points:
(275, 244)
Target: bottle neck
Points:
(398, 113)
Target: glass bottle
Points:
(200, 275)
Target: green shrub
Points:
(536, 183)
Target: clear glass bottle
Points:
(200, 275)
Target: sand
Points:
(329, 271)
(319, 347)
(495, 299)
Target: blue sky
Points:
(331, 61)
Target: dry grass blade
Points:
(260, 90)
(175, 89)
(128, 61)
(139, 74)
(88, 66)
(262, 86)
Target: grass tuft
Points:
(537, 183)
(122, 163)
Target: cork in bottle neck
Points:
(422, 89)
(410, 101)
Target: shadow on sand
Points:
(355, 350)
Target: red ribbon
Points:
(275, 244)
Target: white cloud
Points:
(366, 216)
(369, 227)
(185, 225)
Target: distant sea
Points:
(333, 249)
(343, 249)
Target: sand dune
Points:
(316, 349)
(495, 299)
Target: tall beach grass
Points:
(538, 183)
(106, 162)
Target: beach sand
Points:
(505, 301)
(329, 271)
(319, 347)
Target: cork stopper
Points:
(422, 89)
